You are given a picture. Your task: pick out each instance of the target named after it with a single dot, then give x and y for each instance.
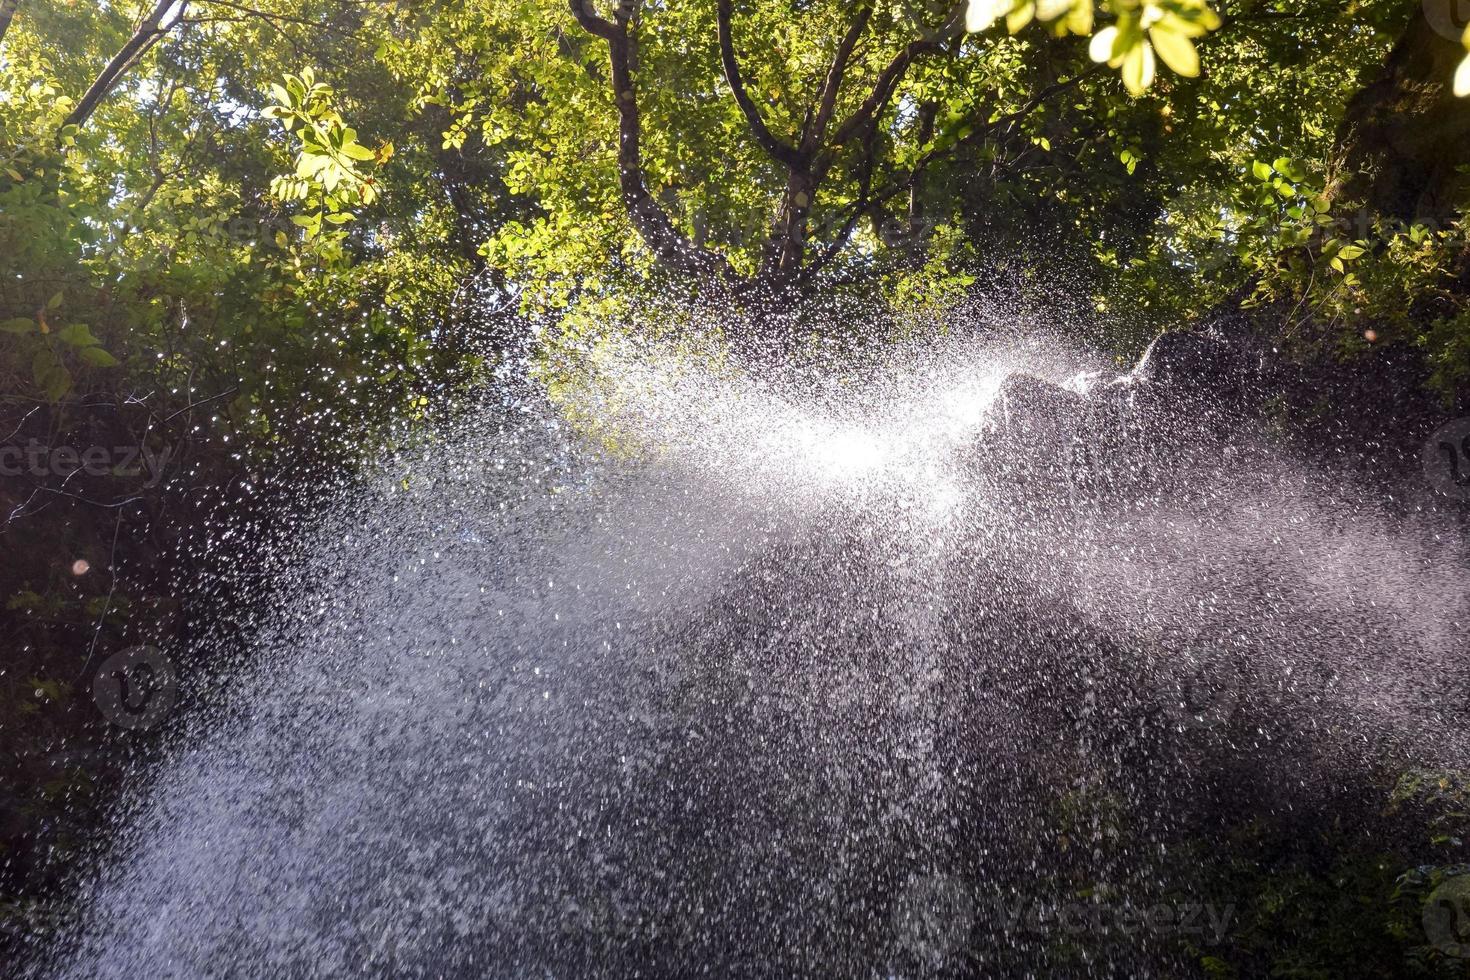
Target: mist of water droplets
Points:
(704, 670)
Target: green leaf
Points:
(1138, 68)
(982, 13)
(42, 364)
(1176, 51)
(50, 374)
(1104, 45)
(77, 335)
(1261, 170)
(1020, 16)
(20, 325)
(97, 357)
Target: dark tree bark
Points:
(777, 149)
(793, 254)
(1404, 135)
(807, 156)
(145, 37)
(7, 14)
(672, 249)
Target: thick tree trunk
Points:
(1404, 136)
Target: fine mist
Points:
(941, 667)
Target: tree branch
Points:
(777, 149)
(786, 248)
(867, 200)
(864, 202)
(789, 258)
(928, 114)
(670, 248)
(817, 131)
(7, 13)
(591, 23)
(148, 33)
(936, 42)
(883, 89)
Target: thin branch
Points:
(817, 131)
(20, 509)
(928, 114)
(864, 203)
(777, 149)
(21, 424)
(883, 89)
(867, 201)
(111, 591)
(301, 50)
(271, 16)
(203, 401)
(1045, 95)
(887, 82)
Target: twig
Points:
(107, 606)
(202, 401)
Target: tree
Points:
(1402, 141)
(298, 226)
(765, 149)
(155, 24)
(808, 156)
